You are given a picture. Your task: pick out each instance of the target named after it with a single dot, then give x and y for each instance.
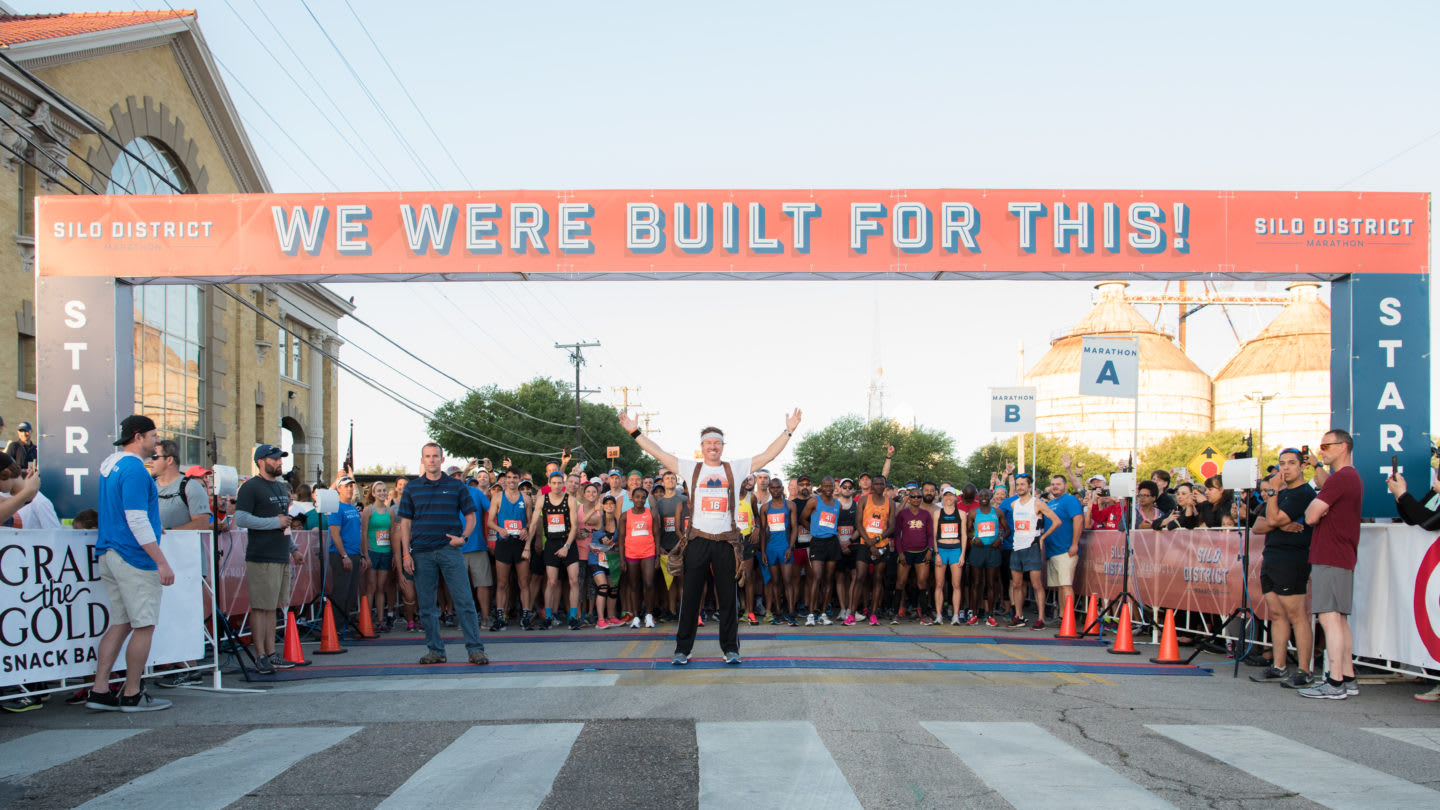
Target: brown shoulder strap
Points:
(729, 486)
(694, 481)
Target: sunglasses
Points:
(158, 456)
(1324, 445)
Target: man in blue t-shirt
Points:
(477, 555)
(1062, 547)
(347, 563)
(131, 566)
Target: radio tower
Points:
(875, 394)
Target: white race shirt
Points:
(712, 498)
(1026, 523)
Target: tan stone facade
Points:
(232, 385)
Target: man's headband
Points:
(713, 434)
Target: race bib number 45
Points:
(1022, 525)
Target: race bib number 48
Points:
(512, 527)
(555, 522)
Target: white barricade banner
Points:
(53, 608)
(1397, 595)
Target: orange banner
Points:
(1187, 569)
(899, 233)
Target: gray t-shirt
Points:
(173, 511)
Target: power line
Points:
(1428, 138)
(328, 119)
(67, 148)
(283, 130)
(406, 89)
(48, 175)
(384, 116)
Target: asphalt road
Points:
(878, 726)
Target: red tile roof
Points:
(18, 28)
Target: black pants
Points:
(708, 561)
(345, 586)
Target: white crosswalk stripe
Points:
(784, 764)
(746, 765)
(46, 749)
(1423, 737)
(506, 766)
(1004, 755)
(227, 771)
(1319, 776)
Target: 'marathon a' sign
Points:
(930, 233)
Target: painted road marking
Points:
(46, 749)
(784, 765)
(224, 774)
(1004, 756)
(441, 684)
(1423, 737)
(1317, 775)
(499, 766)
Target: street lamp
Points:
(1260, 399)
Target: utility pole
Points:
(645, 417)
(625, 395)
(578, 359)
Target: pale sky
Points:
(1286, 96)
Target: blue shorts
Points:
(381, 560)
(1027, 559)
(776, 550)
(948, 556)
(982, 556)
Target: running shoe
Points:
(1326, 691)
(546, 623)
(772, 618)
(1429, 696)
(899, 614)
(850, 622)
(1300, 680)
(262, 666)
(825, 619)
(956, 620)
(973, 620)
(649, 620)
(991, 620)
(1352, 688)
(496, 624)
(601, 624)
(79, 698)
(142, 702)
(1016, 622)
(410, 627)
(810, 620)
(635, 623)
(874, 622)
(1270, 675)
(700, 620)
(432, 658)
(527, 620)
(24, 703)
(277, 661)
(1038, 624)
(626, 616)
(178, 679)
(680, 659)
(103, 701)
(794, 622)
(859, 616)
(925, 621)
(751, 617)
(896, 618)
(732, 657)
(574, 623)
(941, 619)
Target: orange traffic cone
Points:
(1124, 640)
(1067, 619)
(292, 651)
(1092, 627)
(1169, 645)
(329, 639)
(367, 628)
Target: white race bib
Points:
(827, 520)
(776, 521)
(382, 538)
(555, 522)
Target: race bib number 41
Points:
(827, 520)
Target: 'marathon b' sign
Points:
(962, 233)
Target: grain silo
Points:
(1174, 392)
(1290, 361)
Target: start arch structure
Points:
(1373, 247)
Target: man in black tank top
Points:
(556, 517)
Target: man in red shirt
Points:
(1335, 514)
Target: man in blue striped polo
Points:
(430, 539)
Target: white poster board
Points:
(53, 608)
(1110, 367)
(1397, 595)
(1012, 410)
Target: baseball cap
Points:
(26, 426)
(635, 473)
(615, 473)
(132, 426)
(1095, 477)
(269, 451)
(453, 468)
(847, 481)
(344, 480)
(949, 490)
(804, 478)
(197, 471)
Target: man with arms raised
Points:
(711, 549)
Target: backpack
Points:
(675, 558)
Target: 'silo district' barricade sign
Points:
(53, 606)
(1012, 410)
(1110, 367)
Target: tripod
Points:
(1122, 597)
(1246, 616)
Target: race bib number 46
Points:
(555, 522)
(874, 525)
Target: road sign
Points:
(612, 452)
(1012, 410)
(1206, 463)
(1110, 367)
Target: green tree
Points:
(384, 469)
(480, 425)
(1049, 452)
(848, 447)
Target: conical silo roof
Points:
(1297, 340)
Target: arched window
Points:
(169, 327)
(128, 176)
